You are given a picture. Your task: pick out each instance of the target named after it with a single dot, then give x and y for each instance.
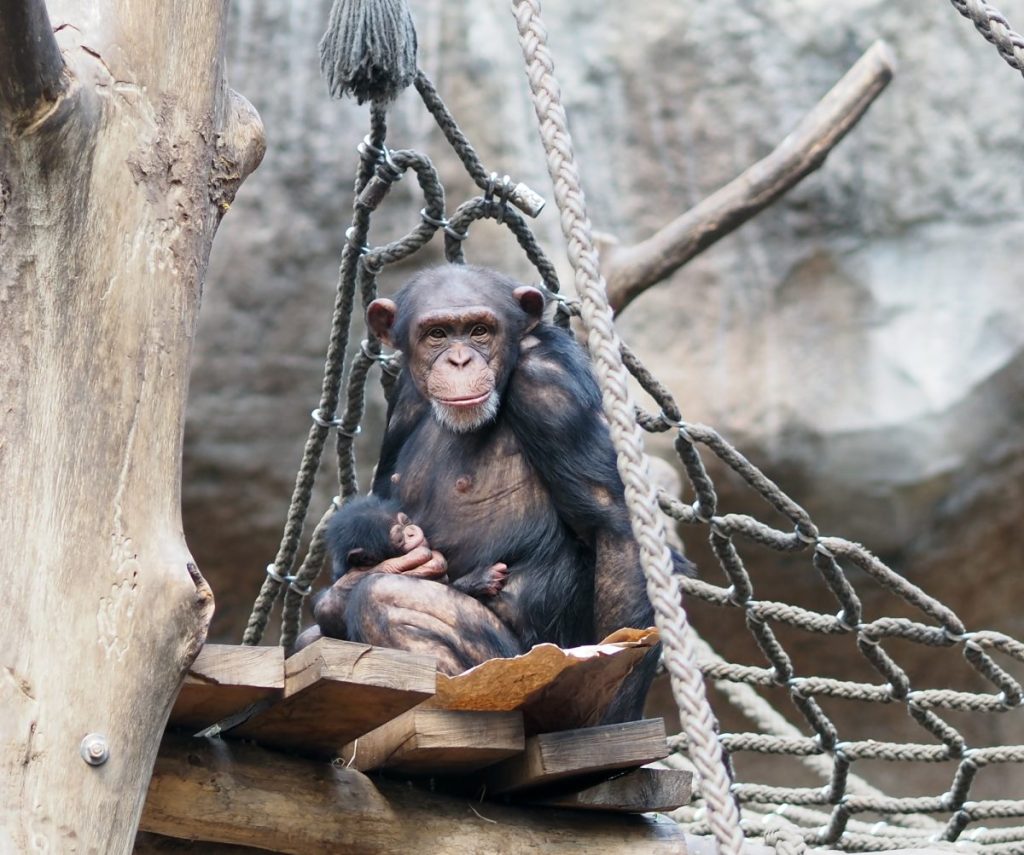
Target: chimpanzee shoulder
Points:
(553, 405)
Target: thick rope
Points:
(662, 586)
(329, 394)
(995, 28)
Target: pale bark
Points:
(115, 167)
(631, 270)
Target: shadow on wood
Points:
(232, 793)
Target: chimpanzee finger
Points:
(412, 538)
(434, 569)
(404, 563)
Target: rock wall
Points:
(862, 340)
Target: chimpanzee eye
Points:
(436, 333)
(479, 331)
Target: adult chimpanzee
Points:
(497, 447)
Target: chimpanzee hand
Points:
(418, 560)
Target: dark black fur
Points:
(573, 564)
(359, 534)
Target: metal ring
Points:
(492, 180)
(302, 592)
(388, 165)
(427, 218)
(351, 434)
(367, 149)
(277, 577)
(364, 346)
(824, 550)
(324, 423)
(503, 194)
(695, 507)
(391, 366)
(806, 538)
(455, 235)
(350, 234)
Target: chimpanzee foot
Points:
(485, 582)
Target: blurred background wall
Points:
(862, 340)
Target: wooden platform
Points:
(373, 710)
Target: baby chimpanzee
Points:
(370, 534)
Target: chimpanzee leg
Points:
(620, 600)
(422, 616)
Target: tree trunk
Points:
(120, 149)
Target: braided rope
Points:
(329, 394)
(662, 586)
(990, 22)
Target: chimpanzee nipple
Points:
(464, 484)
(396, 478)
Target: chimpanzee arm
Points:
(554, 406)
(405, 413)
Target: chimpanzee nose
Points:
(459, 356)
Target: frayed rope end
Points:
(369, 49)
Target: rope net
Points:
(842, 810)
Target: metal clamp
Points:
(454, 234)
(436, 223)
(350, 237)
(324, 423)
(367, 149)
(335, 423)
(290, 581)
(387, 169)
(504, 189)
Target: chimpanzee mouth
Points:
(474, 401)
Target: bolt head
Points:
(94, 749)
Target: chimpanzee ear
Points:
(532, 302)
(380, 315)
(358, 558)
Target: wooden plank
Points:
(224, 679)
(639, 791)
(551, 757)
(335, 691)
(438, 742)
(226, 791)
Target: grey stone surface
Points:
(862, 340)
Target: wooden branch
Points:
(229, 792)
(31, 67)
(629, 271)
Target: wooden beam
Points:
(334, 692)
(224, 679)
(438, 742)
(552, 757)
(147, 843)
(230, 792)
(640, 791)
(631, 270)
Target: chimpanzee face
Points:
(461, 341)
